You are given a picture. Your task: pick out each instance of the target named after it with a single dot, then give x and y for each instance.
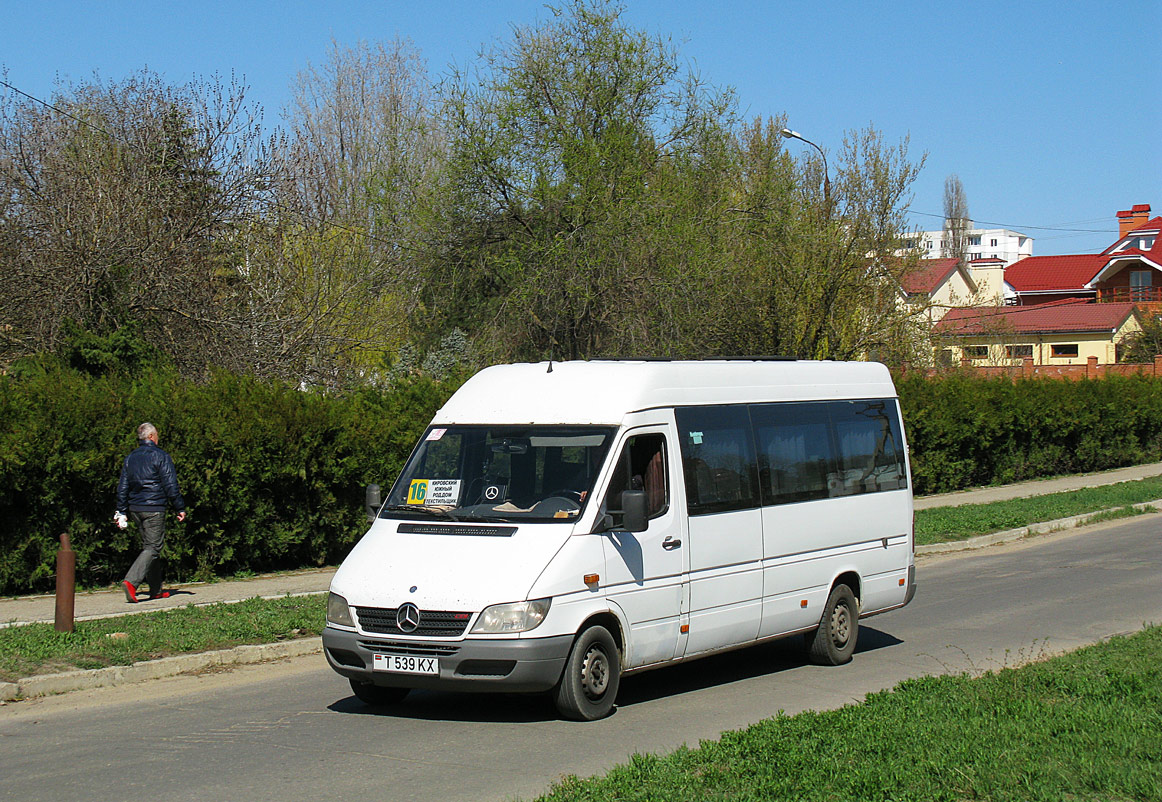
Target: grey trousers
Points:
(149, 564)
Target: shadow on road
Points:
(697, 675)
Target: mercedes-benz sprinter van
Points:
(560, 525)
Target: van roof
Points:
(604, 391)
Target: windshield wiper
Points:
(434, 511)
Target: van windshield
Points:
(500, 473)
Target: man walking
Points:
(148, 482)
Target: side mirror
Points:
(633, 505)
(372, 502)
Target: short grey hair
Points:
(145, 430)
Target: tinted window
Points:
(717, 458)
(796, 455)
(871, 456)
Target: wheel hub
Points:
(595, 673)
(840, 625)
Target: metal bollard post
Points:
(66, 575)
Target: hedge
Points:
(274, 476)
(965, 431)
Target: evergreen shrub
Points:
(965, 431)
(273, 476)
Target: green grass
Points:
(1084, 726)
(943, 524)
(33, 649)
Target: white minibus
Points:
(563, 524)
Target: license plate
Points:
(405, 664)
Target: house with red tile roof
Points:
(1062, 309)
(1059, 333)
(947, 283)
(1128, 270)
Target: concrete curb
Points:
(1008, 535)
(46, 684)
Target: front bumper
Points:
(527, 664)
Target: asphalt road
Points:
(292, 731)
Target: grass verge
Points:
(1083, 726)
(33, 649)
(944, 524)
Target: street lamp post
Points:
(787, 133)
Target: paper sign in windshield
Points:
(440, 492)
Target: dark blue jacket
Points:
(148, 481)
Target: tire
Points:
(588, 687)
(377, 695)
(834, 642)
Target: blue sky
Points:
(1047, 111)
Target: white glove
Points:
(121, 520)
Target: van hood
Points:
(445, 566)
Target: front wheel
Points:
(834, 642)
(377, 695)
(588, 688)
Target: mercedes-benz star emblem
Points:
(407, 617)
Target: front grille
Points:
(413, 649)
(433, 623)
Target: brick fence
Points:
(1090, 370)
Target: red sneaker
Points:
(130, 592)
(162, 595)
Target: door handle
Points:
(669, 544)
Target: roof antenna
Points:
(550, 370)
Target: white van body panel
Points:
(448, 572)
(605, 392)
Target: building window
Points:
(994, 243)
(1140, 283)
(974, 240)
(1019, 351)
(976, 352)
(1063, 351)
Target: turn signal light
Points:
(901, 583)
(592, 579)
(685, 629)
(803, 603)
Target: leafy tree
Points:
(811, 276)
(562, 148)
(1142, 346)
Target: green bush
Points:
(273, 476)
(965, 431)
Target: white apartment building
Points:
(983, 243)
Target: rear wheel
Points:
(588, 687)
(834, 642)
(377, 695)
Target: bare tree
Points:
(956, 220)
(119, 204)
(332, 263)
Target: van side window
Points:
(717, 459)
(871, 456)
(641, 466)
(796, 454)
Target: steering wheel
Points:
(556, 503)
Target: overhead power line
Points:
(1015, 226)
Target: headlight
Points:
(513, 617)
(338, 612)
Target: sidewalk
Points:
(109, 603)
